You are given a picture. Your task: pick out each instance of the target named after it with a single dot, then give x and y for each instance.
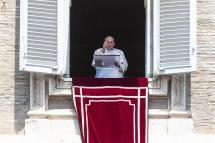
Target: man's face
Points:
(110, 43)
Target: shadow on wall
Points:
(188, 91)
(22, 82)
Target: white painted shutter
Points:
(44, 29)
(174, 36)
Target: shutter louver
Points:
(174, 46)
(44, 34)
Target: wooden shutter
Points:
(44, 29)
(174, 36)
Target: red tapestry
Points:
(111, 113)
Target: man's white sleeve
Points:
(93, 62)
(123, 62)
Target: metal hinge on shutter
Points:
(162, 69)
(55, 68)
(25, 56)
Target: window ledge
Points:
(52, 114)
(67, 79)
(164, 114)
(71, 114)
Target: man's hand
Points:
(98, 63)
(104, 46)
(103, 50)
(117, 64)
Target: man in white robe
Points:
(110, 72)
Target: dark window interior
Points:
(92, 20)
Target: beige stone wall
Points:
(203, 81)
(14, 85)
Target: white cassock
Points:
(111, 72)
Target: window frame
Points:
(151, 52)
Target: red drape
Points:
(111, 112)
